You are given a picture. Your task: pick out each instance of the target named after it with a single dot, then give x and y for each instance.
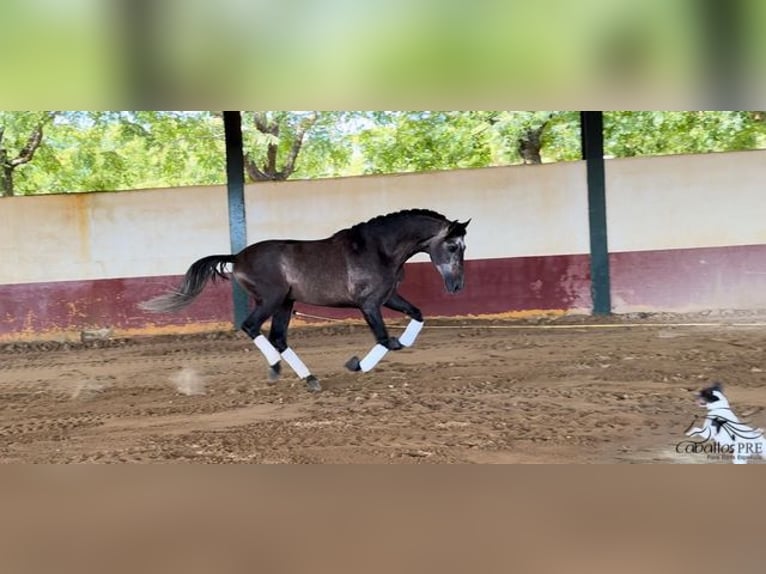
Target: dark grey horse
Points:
(359, 267)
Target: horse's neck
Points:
(409, 239)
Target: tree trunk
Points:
(269, 171)
(530, 144)
(6, 181)
(25, 155)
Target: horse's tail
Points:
(200, 272)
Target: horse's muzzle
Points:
(453, 284)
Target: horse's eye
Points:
(452, 248)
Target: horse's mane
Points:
(396, 215)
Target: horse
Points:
(358, 267)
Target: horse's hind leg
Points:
(398, 303)
(252, 326)
(278, 337)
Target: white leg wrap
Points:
(411, 333)
(295, 363)
(268, 350)
(372, 358)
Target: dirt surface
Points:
(570, 390)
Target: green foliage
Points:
(103, 151)
(98, 151)
(16, 128)
(628, 134)
(325, 148)
(21, 135)
(560, 136)
(419, 141)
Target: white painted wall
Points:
(515, 211)
(676, 202)
(652, 203)
(105, 235)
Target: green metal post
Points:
(235, 177)
(592, 131)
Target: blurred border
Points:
(380, 519)
(303, 54)
(343, 55)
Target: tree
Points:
(275, 129)
(280, 144)
(104, 151)
(100, 151)
(418, 141)
(415, 141)
(629, 134)
(535, 137)
(20, 137)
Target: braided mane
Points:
(392, 217)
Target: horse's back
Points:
(313, 272)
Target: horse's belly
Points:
(321, 294)
(322, 300)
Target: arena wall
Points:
(685, 233)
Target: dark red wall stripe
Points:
(492, 286)
(731, 277)
(681, 279)
(75, 305)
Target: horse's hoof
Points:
(312, 383)
(353, 364)
(394, 344)
(274, 373)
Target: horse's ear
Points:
(457, 229)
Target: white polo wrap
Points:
(295, 363)
(372, 358)
(268, 350)
(411, 333)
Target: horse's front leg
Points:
(398, 303)
(384, 342)
(374, 319)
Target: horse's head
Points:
(446, 250)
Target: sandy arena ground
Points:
(468, 392)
